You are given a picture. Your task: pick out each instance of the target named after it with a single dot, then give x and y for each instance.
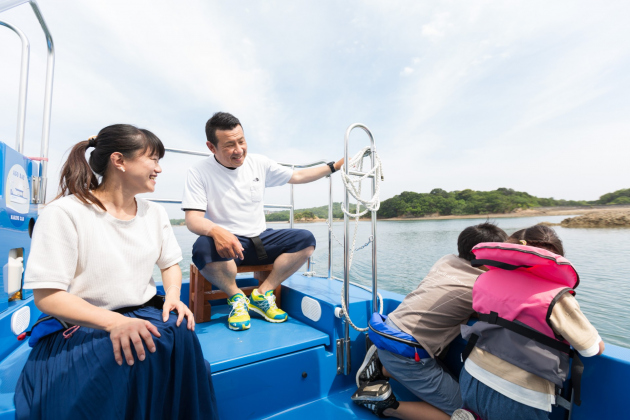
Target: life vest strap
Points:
(494, 318)
(497, 264)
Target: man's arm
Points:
(304, 176)
(228, 245)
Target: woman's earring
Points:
(122, 169)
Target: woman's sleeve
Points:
(52, 261)
(170, 253)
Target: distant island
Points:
(466, 203)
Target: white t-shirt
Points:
(233, 198)
(89, 253)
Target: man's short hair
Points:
(220, 121)
(473, 235)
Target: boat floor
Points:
(225, 349)
(334, 406)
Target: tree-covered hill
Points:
(502, 200)
(444, 203)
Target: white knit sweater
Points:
(91, 254)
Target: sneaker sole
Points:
(374, 398)
(261, 313)
(242, 328)
(366, 361)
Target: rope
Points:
(352, 183)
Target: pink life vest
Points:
(527, 293)
(514, 300)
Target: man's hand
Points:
(228, 245)
(338, 164)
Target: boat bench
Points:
(201, 290)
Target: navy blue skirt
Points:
(78, 377)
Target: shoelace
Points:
(239, 306)
(271, 301)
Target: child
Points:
(431, 315)
(537, 282)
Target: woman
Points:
(512, 372)
(92, 256)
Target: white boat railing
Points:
(26, 55)
(290, 207)
(348, 242)
(39, 182)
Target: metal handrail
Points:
(21, 119)
(347, 244)
(290, 207)
(50, 69)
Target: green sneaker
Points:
(265, 306)
(238, 320)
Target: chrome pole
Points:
(346, 259)
(346, 251)
(21, 120)
(50, 69)
(330, 219)
(292, 203)
(187, 152)
(374, 266)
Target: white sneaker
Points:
(461, 414)
(371, 369)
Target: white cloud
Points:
(406, 71)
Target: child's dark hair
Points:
(78, 177)
(539, 236)
(473, 235)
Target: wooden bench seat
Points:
(201, 289)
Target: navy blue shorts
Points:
(275, 242)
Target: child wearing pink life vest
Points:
(518, 353)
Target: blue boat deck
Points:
(289, 370)
(226, 349)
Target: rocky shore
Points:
(599, 219)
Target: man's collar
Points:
(226, 167)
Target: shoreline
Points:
(534, 212)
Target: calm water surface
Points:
(408, 249)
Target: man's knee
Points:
(304, 241)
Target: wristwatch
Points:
(331, 165)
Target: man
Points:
(223, 202)
(431, 315)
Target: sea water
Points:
(406, 250)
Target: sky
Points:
(529, 95)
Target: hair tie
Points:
(523, 242)
(92, 141)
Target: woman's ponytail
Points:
(77, 177)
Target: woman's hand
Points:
(131, 330)
(172, 303)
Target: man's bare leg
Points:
(414, 410)
(283, 267)
(222, 274)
